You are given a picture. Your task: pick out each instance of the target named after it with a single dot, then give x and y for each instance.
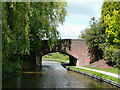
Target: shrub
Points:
(46, 56)
(95, 39)
(56, 55)
(66, 57)
(10, 68)
(112, 56)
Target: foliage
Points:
(97, 74)
(15, 28)
(9, 68)
(94, 38)
(57, 57)
(106, 32)
(110, 22)
(15, 35)
(24, 25)
(108, 8)
(46, 56)
(27, 62)
(44, 21)
(113, 29)
(94, 35)
(112, 56)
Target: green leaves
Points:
(22, 21)
(95, 38)
(110, 22)
(113, 28)
(15, 27)
(44, 20)
(25, 24)
(106, 32)
(93, 35)
(112, 56)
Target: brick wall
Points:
(76, 48)
(79, 50)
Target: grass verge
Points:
(97, 74)
(112, 70)
(57, 59)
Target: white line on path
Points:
(103, 72)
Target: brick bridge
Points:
(76, 49)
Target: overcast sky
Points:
(79, 14)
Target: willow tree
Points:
(44, 20)
(24, 25)
(15, 35)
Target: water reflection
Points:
(52, 75)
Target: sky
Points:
(79, 13)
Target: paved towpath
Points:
(103, 72)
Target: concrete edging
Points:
(93, 76)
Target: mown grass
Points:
(57, 59)
(112, 70)
(97, 74)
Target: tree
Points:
(110, 18)
(108, 11)
(113, 29)
(15, 35)
(15, 29)
(94, 38)
(24, 25)
(108, 8)
(44, 20)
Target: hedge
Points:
(112, 56)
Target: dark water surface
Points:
(52, 75)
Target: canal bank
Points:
(52, 75)
(96, 75)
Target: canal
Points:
(52, 75)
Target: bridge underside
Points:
(72, 60)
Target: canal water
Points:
(52, 75)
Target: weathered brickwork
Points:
(80, 50)
(76, 49)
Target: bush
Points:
(56, 56)
(59, 55)
(95, 39)
(112, 56)
(46, 56)
(66, 57)
(10, 68)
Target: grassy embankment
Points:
(97, 74)
(112, 70)
(56, 57)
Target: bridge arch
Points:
(76, 49)
(72, 59)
